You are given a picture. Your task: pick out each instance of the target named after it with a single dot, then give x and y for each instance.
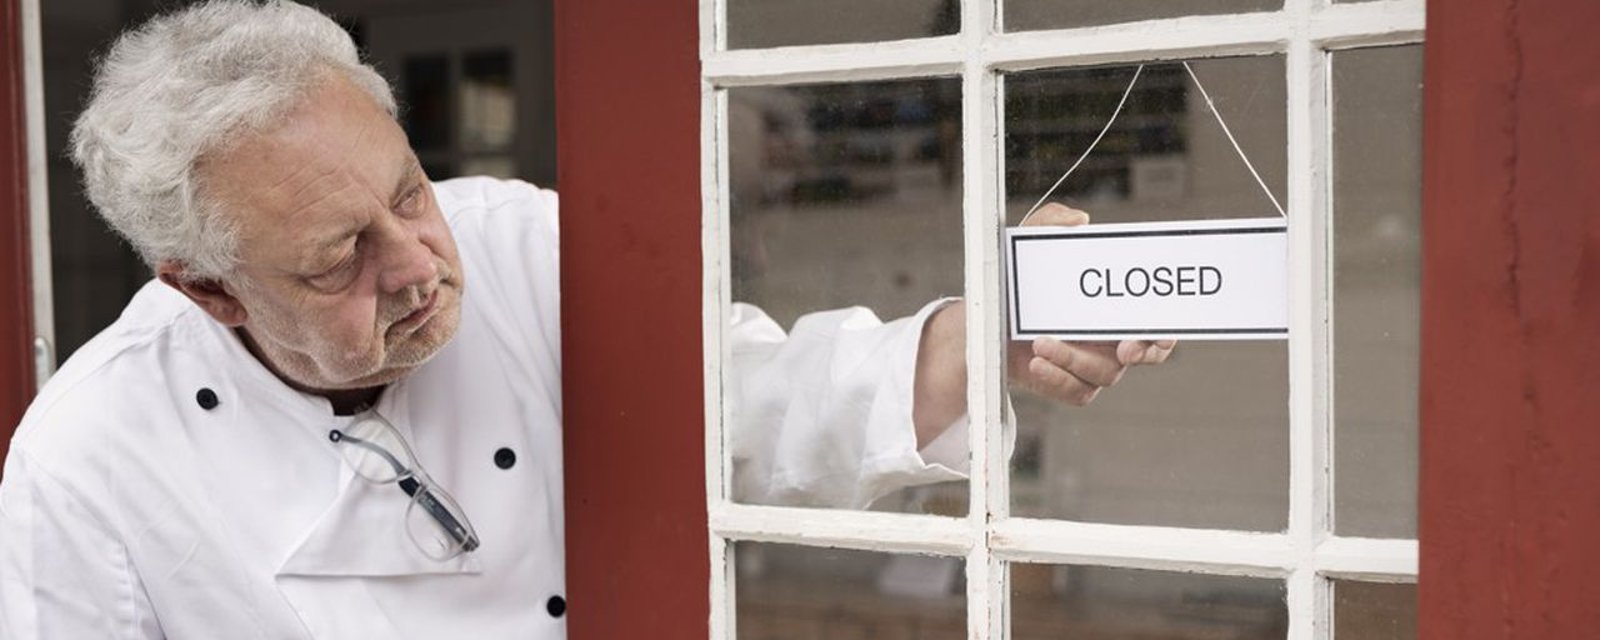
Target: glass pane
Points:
(1027, 15)
(778, 23)
(843, 196)
(488, 101)
(1202, 440)
(1377, 240)
(787, 592)
(425, 109)
(1374, 611)
(1059, 601)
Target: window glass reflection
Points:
(778, 23)
(845, 214)
(1060, 601)
(1377, 288)
(1202, 440)
(1024, 15)
(787, 592)
(1374, 611)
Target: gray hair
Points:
(179, 87)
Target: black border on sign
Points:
(1016, 291)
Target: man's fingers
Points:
(1096, 366)
(1052, 381)
(1131, 352)
(1075, 372)
(1055, 214)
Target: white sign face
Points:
(1206, 280)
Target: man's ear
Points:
(206, 292)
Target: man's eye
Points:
(343, 264)
(411, 200)
(338, 274)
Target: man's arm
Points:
(822, 415)
(842, 410)
(1070, 372)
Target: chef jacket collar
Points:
(362, 533)
(259, 382)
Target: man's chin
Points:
(398, 364)
(404, 352)
(417, 347)
(381, 378)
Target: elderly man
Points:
(337, 414)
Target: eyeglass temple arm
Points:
(400, 469)
(423, 496)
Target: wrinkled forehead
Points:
(327, 162)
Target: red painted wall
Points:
(1510, 521)
(16, 299)
(628, 114)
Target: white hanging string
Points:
(1129, 90)
(1213, 107)
(1086, 152)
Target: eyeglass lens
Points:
(435, 522)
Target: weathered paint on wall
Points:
(1510, 521)
(628, 108)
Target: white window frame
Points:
(1307, 555)
(43, 288)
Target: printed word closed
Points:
(1196, 280)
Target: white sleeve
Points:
(63, 573)
(823, 416)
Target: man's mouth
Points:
(421, 315)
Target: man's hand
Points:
(1075, 372)
(1070, 372)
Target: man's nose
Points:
(409, 262)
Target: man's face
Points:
(348, 275)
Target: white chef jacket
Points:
(134, 507)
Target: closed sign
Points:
(1213, 279)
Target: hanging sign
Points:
(1207, 280)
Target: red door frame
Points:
(1510, 518)
(1510, 515)
(16, 298)
(628, 111)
